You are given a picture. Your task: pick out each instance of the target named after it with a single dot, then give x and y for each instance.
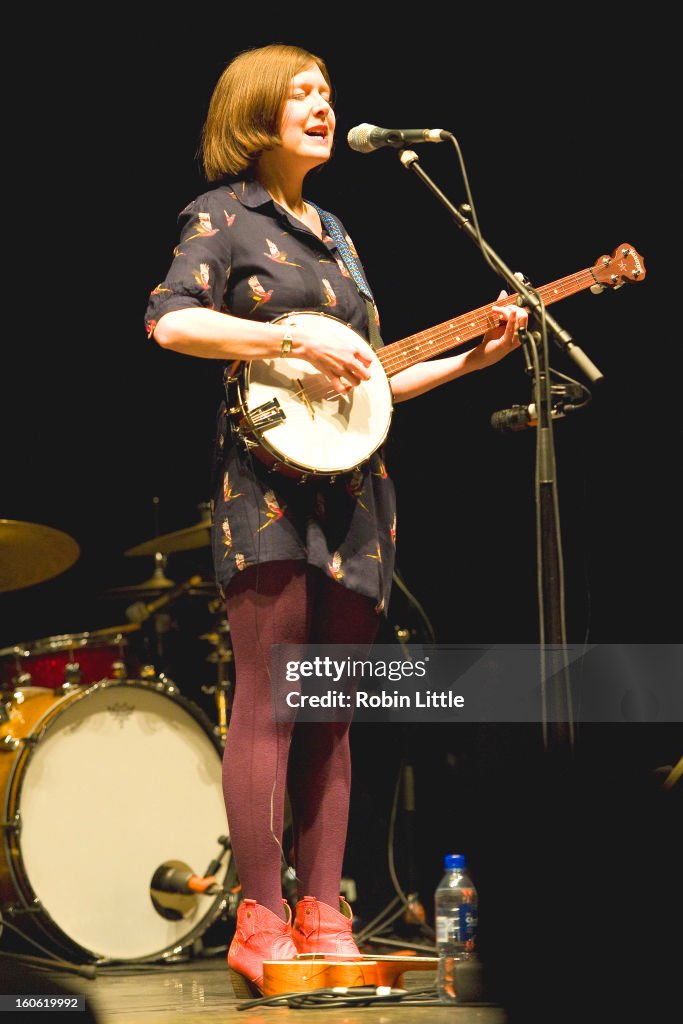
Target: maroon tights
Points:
(287, 602)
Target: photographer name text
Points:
(383, 699)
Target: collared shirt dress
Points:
(241, 253)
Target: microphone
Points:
(169, 879)
(519, 417)
(365, 138)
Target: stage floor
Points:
(155, 994)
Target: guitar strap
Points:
(332, 226)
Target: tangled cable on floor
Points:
(334, 998)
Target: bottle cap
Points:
(454, 860)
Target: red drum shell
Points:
(45, 661)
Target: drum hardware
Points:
(222, 693)
(223, 687)
(156, 623)
(219, 657)
(140, 611)
(31, 553)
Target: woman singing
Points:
(298, 563)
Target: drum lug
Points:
(10, 743)
(16, 910)
(13, 826)
(22, 679)
(72, 674)
(67, 687)
(165, 684)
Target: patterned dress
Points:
(241, 253)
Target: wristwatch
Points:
(287, 343)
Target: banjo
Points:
(291, 419)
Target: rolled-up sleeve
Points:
(201, 262)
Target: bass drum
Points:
(104, 790)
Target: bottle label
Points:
(468, 924)
(460, 929)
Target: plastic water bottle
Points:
(455, 911)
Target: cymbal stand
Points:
(222, 658)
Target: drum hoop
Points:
(66, 642)
(166, 689)
(20, 881)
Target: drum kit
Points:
(110, 778)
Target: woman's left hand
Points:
(501, 340)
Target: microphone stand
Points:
(556, 710)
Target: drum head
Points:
(123, 779)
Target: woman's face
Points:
(307, 124)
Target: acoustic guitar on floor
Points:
(310, 971)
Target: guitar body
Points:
(309, 972)
(296, 424)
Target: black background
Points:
(563, 140)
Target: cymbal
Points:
(31, 553)
(203, 588)
(197, 536)
(154, 585)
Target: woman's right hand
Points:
(334, 349)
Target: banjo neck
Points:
(450, 334)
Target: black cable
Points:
(398, 580)
(371, 931)
(63, 964)
(53, 965)
(343, 996)
(473, 212)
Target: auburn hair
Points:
(244, 112)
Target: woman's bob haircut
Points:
(244, 111)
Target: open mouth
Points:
(318, 131)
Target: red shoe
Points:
(259, 935)
(318, 928)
